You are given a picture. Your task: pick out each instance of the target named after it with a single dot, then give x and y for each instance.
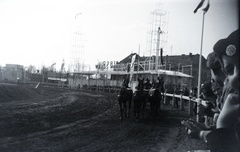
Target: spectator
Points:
(176, 91)
(186, 92)
(194, 95)
(210, 98)
(228, 51)
(226, 136)
(217, 79)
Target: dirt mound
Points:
(11, 92)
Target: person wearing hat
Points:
(227, 134)
(217, 74)
(228, 52)
(210, 98)
(217, 80)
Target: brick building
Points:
(12, 73)
(188, 64)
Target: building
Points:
(176, 71)
(187, 64)
(12, 73)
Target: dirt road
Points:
(56, 119)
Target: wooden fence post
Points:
(164, 101)
(190, 107)
(181, 103)
(173, 100)
(198, 109)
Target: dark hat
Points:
(207, 86)
(213, 61)
(228, 46)
(207, 89)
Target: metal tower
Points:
(158, 19)
(77, 48)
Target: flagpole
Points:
(200, 67)
(138, 58)
(157, 51)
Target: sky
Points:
(42, 32)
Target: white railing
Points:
(173, 101)
(190, 100)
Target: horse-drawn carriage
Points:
(145, 93)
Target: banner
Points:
(132, 66)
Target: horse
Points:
(155, 96)
(125, 96)
(146, 89)
(139, 100)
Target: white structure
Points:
(157, 34)
(77, 48)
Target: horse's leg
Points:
(134, 107)
(137, 109)
(121, 108)
(152, 105)
(125, 108)
(158, 104)
(143, 107)
(129, 107)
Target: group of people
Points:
(222, 94)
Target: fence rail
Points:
(172, 99)
(186, 98)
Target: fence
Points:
(190, 100)
(173, 99)
(107, 89)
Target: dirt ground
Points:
(56, 119)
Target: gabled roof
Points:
(143, 58)
(128, 59)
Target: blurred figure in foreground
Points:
(226, 136)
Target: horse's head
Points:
(147, 81)
(125, 83)
(147, 84)
(157, 83)
(140, 84)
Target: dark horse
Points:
(155, 96)
(139, 100)
(124, 97)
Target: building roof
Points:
(57, 79)
(161, 72)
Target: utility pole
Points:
(158, 48)
(138, 58)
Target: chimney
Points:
(190, 55)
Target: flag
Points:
(132, 66)
(133, 60)
(161, 56)
(53, 64)
(201, 4)
(207, 7)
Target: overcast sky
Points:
(40, 32)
